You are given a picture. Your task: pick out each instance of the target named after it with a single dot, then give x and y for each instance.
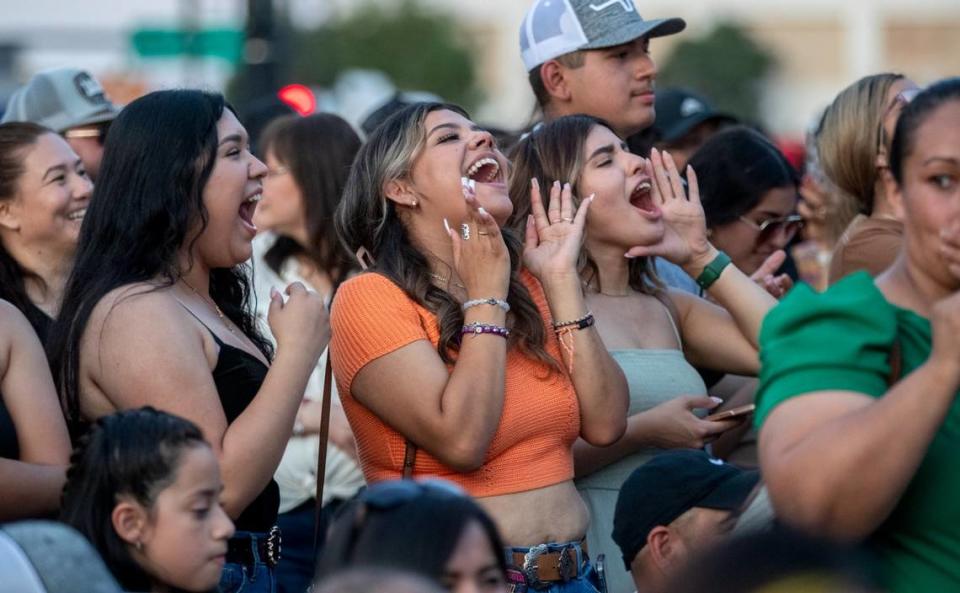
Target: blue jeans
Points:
(244, 578)
(586, 581)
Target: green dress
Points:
(841, 340)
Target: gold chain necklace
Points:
(223, 318)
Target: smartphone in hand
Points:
(732, 413)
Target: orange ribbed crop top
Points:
(533, 445)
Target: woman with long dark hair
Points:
(308, 160)
(157, 309)
(455, 360)
(44, 191)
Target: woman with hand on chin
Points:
(156, 310)
(641, 209)
(453, 358)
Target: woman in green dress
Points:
(857, 405)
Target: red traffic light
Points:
(299, 97)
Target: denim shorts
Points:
(248, 578)
(586, 581)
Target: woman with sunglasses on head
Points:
(641, 210)
(853, 142)
(455, 360)
(157, 307)
(430, 528)
(44, 192)
(858, 409)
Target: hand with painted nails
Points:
(480, 256)
(685, 238)
(554, 234)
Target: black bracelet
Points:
(581, 323)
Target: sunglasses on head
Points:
(766, 229)
(393, 494)
(96, 131)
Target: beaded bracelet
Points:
(488, 301)
(580, 323)
(477, 328)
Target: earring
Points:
(139, 546)
(413, 204)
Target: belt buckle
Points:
(566, 566)
(530, 566)
(274, 546)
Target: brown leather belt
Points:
(540, 565)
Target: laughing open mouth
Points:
(485, 170)
(248, 207)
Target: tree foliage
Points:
(417, 48)
(726, 65)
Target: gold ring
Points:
(566, 219)
(482, 233)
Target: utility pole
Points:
(261, 58)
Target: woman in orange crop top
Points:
(490, 370)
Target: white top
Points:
(297, 474)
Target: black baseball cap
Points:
(671, 484)
(680, 110)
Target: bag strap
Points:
(322, 449)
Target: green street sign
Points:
(226, 44)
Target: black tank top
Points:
(9, 447)
(238, 377)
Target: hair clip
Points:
(364, 258)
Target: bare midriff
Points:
(550, 514)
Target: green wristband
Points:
(713, 270)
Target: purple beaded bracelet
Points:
(477, 328)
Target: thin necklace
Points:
(443, 280)
(223, 318)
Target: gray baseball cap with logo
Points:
(553, 28)
(61, 99)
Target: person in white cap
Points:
(70, 102)
(592, 57)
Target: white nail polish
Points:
(446, 225)
(481, 210)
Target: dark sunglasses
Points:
(766, 229)
(95, 131)
(389, 495)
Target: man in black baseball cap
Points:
(685, 120)
(678, 502)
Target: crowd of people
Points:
(572, 360)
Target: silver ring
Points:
(465, 231)
(566, 219)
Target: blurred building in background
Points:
(817, 46)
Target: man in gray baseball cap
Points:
(70, 102)
(591, 57)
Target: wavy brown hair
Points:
(555, 152)
(366, 219)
